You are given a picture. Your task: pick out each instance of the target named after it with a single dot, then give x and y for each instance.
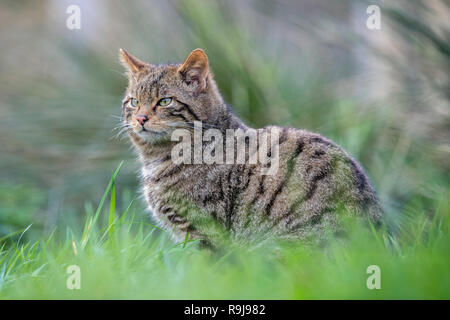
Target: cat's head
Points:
(162, 98)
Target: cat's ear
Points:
(195, 69)
(131, 63)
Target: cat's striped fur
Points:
(315, 181)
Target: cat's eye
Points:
(164, 102)
(134, 102)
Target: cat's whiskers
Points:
(121, 129)
(116, 116)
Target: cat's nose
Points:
(142, 118)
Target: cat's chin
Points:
(152, 136)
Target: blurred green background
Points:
(381, 94)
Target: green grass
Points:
(121, 257)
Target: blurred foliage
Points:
(19, 203)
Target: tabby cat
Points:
(315, 182)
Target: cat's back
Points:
(315, 180)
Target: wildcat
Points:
(314, 183)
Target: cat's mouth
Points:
(148, 132)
